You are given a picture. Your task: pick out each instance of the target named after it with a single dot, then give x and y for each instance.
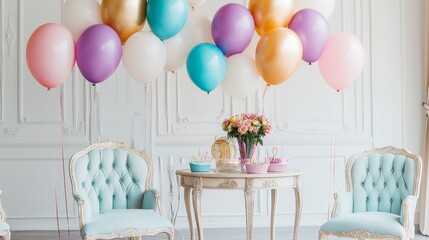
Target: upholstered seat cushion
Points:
(3, 226)
(373, 222)
(118, 220)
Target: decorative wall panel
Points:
(2, 68)
(172, 119)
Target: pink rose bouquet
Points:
(248, 129)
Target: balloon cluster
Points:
(98, 36)
(93, 36)
(232, 30)
(289, 33)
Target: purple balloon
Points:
(232, 28)
(313, 30)
(98, 52)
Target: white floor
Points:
(305, 233)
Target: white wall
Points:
(171, 119)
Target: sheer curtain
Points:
(424, 193)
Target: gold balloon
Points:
(271, 14)
(126, 17)
(278, 54)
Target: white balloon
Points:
(196, 30)
(78, 15)
(242, 77)
(144, 56)
(325, 7)
(194, 3)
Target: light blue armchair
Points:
(382, 189)
(111, 184)
(4, 227)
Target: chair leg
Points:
(170, 235)
(322, 236)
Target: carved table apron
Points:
(240, 181)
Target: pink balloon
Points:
(342, 60)
(51, 54)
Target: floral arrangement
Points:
(248, 129)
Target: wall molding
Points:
(10, 34)
(12, 131)
(2, 65)
(168, 129)
(21, 61)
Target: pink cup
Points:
(257, 168)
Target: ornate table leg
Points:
(249, 197)
(188, 210)
(196, 198)
(273, 214)
(298, 209)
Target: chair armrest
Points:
(84, 211)
(2, 212)
(343, 204)
(152, 200)
(407, 214)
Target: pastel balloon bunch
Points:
(232, 30)
(280, 49)
(93, 36)
(290, 33)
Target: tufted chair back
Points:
(380, 179)
(109, 175)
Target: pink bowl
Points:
(257, 168)
(277, 167)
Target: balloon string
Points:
(97, 107)
(145, 97)
(91, 116)
(333, 162)
(265, 90)
(94, 115)
(63, 162)
(334, 148)
(56, 199)
(332, 172)
(335, 167)
(330, 176)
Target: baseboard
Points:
(22, 224)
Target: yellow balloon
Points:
(278, 54)
(126, 17)
(271, 14)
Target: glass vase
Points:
(246, 153)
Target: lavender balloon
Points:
(313, 30)
(98, 52)
(232, 28)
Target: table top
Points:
(215, 174)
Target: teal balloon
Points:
(166, 17)
(206, 66)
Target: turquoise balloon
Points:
(166, 17)
(206, 66)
